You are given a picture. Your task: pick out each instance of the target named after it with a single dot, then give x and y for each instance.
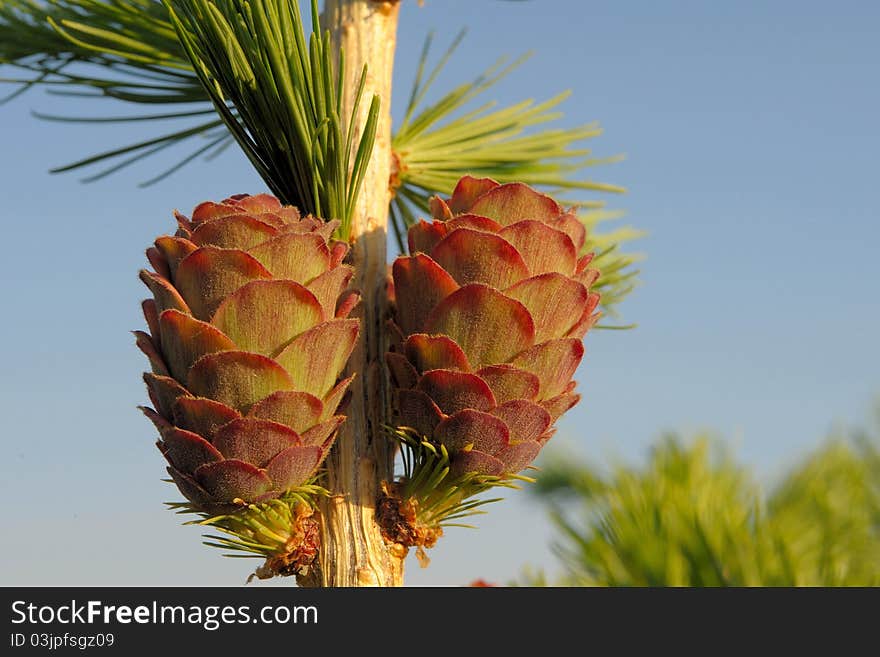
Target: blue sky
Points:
(750, 130)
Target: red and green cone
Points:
(491, 307)
(248, 336)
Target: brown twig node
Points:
(398, 518)
(302, 548)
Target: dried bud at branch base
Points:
(300, 550)
(248, 335)
(491, 307)
(398, 515)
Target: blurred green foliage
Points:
(694, 516)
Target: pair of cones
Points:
(249, 333)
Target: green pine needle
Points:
(439, 498)
(253, 56)
(101, 32)
(125, 50)
(258, 530)
(437, 143)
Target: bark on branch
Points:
(353, 552)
